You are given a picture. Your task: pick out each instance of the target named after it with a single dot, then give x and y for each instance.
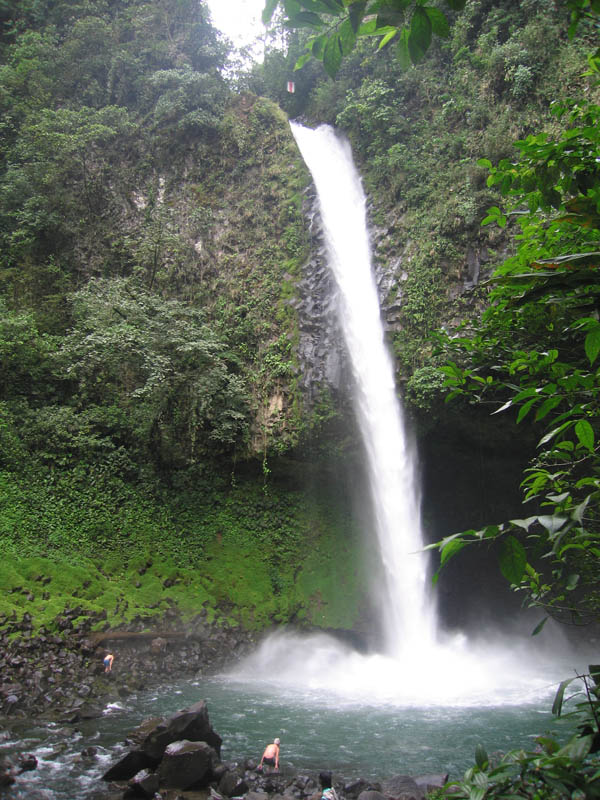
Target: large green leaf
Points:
(439, 22)
(389, 17)
(391, 34)
(525, 408)
(591, 259)
(547, 406)
(578, 748)
(538, 628)
(317, 45)
(585, 434)
(552, 522)
(524, 523)
(332, 56)
(513, 560)
(592, 344)
(347, 37)
(302, 60)
(419, 38)
(402, 51)
(451, 549)
(307, 19)
(356, 11)
(481, 756)
(559, 697)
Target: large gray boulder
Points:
(187, 765)
(402, 787)
(191, 724)
(144, 784)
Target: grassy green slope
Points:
(248, 553)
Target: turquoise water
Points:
(358, 740)
(351, 739)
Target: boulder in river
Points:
(27, 762)
(191, 724)
(187, 764)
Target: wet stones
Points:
(27, 762)
(402, 787)
(181, 751)
(191, 724)
(9, 769)
(60, 675)
(187, 764)
(232, 784)
(144, 784)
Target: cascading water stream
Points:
(407, 612)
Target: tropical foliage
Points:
(535, 352)
(152, 234)
(406, 25)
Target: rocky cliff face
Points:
(321, 353)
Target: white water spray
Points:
(407, 613)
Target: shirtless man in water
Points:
(271, 755)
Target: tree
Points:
(408, 25)
(156, 367)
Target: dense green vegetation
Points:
(151, 236)
(419, 134)
(151, 245)
(233, 553)
(534, 352)
(156, 449)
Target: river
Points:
(350, 737)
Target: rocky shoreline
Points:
(179, 758)
(60, 675)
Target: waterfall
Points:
(407, 612)
(421, 666)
